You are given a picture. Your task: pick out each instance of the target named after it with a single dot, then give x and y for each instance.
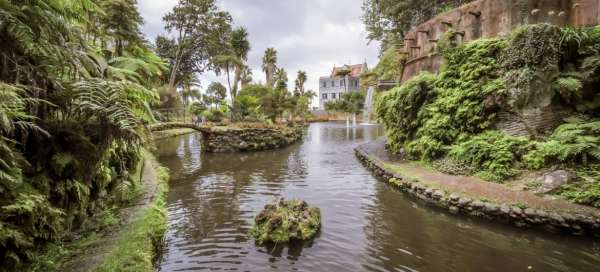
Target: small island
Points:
(286, 220)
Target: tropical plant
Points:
(240, 46)
(299, 83)
(571, 143)
(269, 65)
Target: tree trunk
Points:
(354, 119)
(237, 76)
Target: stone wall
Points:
(226, 139)
(555, 221)
(489, 18)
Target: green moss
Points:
(283, 221)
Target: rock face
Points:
(283, 221)
(553, 180)
(227, 139)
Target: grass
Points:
(137, 250)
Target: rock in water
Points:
(286, 220)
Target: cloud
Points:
(309, 35)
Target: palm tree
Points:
(228, 63)
(300, 81)
(269, 64)
(240, 46)
(280, 78)
(344, 72)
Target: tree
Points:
(201, 34)
(344, 73)
(228, 63)
(269, 65)
(281, 79)
(121, 21)
(215, 93)
(300, 81)
(240, 47)
(350, 104)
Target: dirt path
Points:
(472, 187)
(94, 255)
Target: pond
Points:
(367, 225)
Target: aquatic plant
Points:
(286, 220)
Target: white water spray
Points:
(368, 108)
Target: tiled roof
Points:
(356, 69)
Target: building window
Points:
(324, 96)
(342, 83)
(333, 84)
(340, 96)
(356, 83)
(324, 84)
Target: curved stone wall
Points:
(489, 18)
(224, 140)
(554, 221)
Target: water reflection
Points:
(366, 224)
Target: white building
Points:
(333, 86)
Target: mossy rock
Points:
(285, 220)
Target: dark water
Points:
(367, 225)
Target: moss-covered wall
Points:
(224, 139)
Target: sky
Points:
(309, 35)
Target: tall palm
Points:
(269, 64)
(188, 92)
(240, 46)
(300, 81)
(228, 63)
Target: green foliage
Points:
(570, 143)
(283, 221)
(352, 103)
(390, 65)
(492, 154)
(75, 89)
(137, 249)
(428, 113)
(586, 189)
(400, 107)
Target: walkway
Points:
(471, 187)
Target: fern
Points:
(493, 154)
(570, 143)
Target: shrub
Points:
(400, 107)
(390, 65)
(570, 143)
(214, 115)
(586, 190)
(492, 154)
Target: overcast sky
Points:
(310, 35)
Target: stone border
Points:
(574, 224)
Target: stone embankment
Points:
(232, 139)
(240, 137)
(463, 195)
